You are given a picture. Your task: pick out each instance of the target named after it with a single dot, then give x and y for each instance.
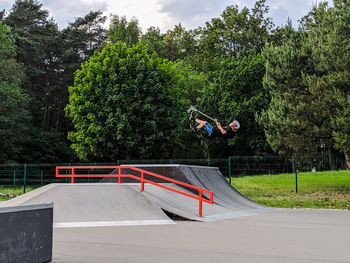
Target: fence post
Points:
(142, 182)
(66, 176)
(24, 178)
(229, 169)
(72, 176)
(14, 178)
(296, 172)
(41, 176)
(200, 203)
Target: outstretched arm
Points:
(219, 127)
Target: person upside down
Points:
(217, 131)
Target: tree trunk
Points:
(45, 115)
(347, 159)
(332, 160)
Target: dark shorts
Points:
(215, 132)
(208, 128)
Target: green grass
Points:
(13, 190)
(315, 190)
(329, 190)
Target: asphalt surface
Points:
(279, 236)
(117, 223)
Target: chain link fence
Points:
(233, 166)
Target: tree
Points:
(153, 39)
(307, 77)
(84, 36)
(234, 32)
(179, 43)
(122, 30)
(124, 104)
(2, 15)
(329, 35)
(81, 39)
(290, 123)
(237, 93)
(191, 84)
(341, 126)
(14, 115)
(38, 48)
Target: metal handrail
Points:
(200, 198)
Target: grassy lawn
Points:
(14, 190)
(329, 190)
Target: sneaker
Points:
(193, 127)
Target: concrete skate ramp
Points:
(212, 179)
(181, 205)
(84, 205)
(228, 202)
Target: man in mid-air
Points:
(217, 131)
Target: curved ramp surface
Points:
(84, 205)
(228, 202)
(224, 194)
(181, 205)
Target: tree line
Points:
(95, 94)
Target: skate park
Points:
(114, 221)
(169, 131)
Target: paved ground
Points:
(278, 236)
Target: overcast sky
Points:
(166, 13)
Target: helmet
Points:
(237, 124)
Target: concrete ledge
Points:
(26, 233)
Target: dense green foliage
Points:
(237, 93)
(307, 77)
(122, 30)
(14, 114)
(129, 90)
(125, 104)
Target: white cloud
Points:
(293, 9)
(6, 4)
(166, 13)
(191, 14)
(146, 12)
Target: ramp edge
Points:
(232, 215)
(114, 223)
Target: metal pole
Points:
(24, 178)
(200, 203)
(229, 169)
(205, 115)
(72, 176)
(296, 172)
(66, 173)
(142, 182)
(42, 179)
(14, 178)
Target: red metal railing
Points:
(120, 174)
